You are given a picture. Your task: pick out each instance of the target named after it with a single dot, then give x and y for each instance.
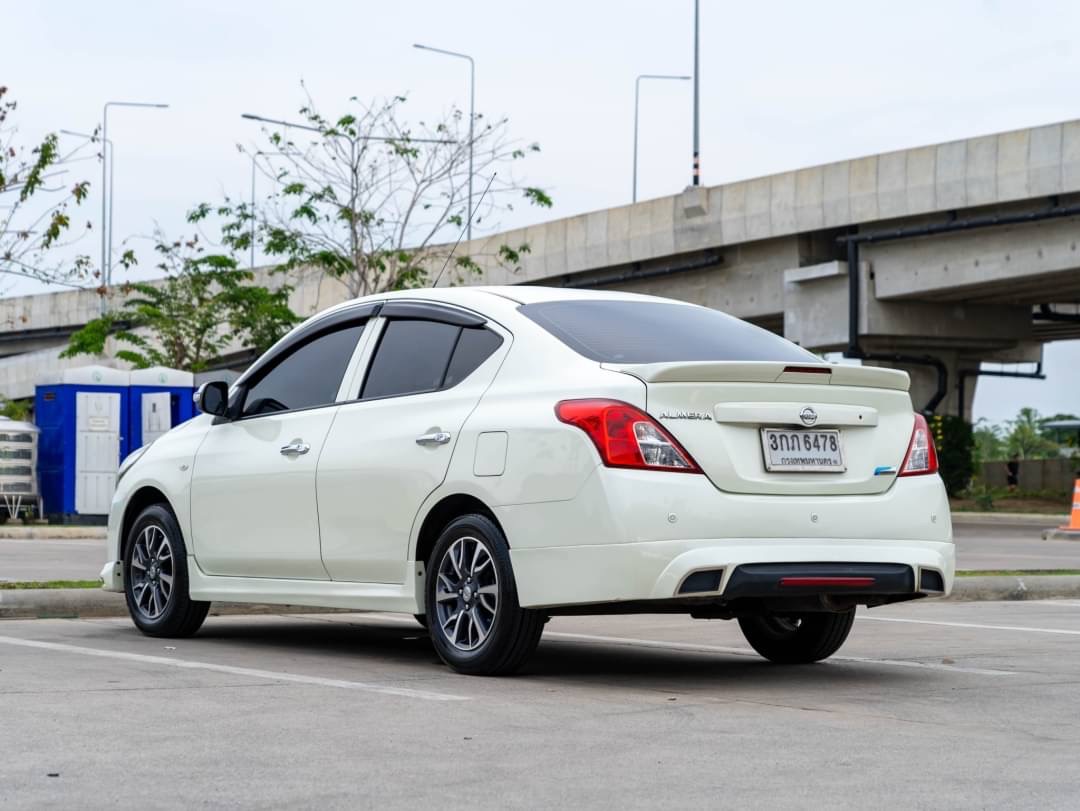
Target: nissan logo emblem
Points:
(808, 416)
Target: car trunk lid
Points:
(718, 410)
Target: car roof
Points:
(532, 294)
(520, 294)
(482, 297)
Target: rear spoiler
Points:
(741, 371)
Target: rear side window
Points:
(473, 348)
(658, 332)
(416, 356)
(307, 377)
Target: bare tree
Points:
(35, 204)
(373, 201)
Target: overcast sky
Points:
(783, 85)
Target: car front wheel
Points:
(473, 615)
(155, 577)
(797, 639)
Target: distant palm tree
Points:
(1026, 439)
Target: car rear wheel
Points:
(797, 639)
(155, 577)
(473, 615)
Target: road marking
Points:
(272, 675)
(1062, 631)
(692, 648)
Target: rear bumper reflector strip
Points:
(827, 582)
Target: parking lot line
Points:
(692, 648)
(405, 692)
(1063, 631)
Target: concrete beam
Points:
(748, 284)
(982, 260)
(816, 317)
(989, 170)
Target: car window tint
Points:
(412, 357)
(473, 348)
(309, 376)
(616, 331)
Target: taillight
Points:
(626, 436)
(921, 456)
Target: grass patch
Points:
(52, 584)
(1013, 572)
(1020, 501)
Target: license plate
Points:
(798, 451)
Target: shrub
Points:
(955, 446)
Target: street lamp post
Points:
(472, 118)
(106, 205)
(107, 145)
(637, 97)
(697, 119)
(254, 158)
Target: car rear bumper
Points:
(656, 570)
(632, 535)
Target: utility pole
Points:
(697, 97)
(637, 100)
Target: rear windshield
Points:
(658, 332)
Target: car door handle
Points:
(434, 438)
(295, 448)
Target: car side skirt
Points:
(397, 597)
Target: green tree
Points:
(1025, 438)
(36, 202)
(375, 202)
(204, 305)
(16, 409)
(989, 443)
(1064, 438)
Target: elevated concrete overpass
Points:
(963, 252)
(934, 259)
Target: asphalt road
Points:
(1012, 546)
(51, 559)
(983, 546)
(928, 705)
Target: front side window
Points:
(307, 377)
(620, 331)
(417, 356)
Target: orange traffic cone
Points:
(1074, 519)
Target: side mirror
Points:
(213, 398)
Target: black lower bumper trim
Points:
(792, 579)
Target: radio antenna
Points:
(478, 202)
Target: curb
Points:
(1027, 519)
(95, 603)
(999, 587)
(17, 604)
(47, 532)
(1060, 534)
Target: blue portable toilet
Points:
(158, 399)
(83, 417)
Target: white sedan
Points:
(485, 458)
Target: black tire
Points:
(797, 640)
(513, 632)
(173, 614)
